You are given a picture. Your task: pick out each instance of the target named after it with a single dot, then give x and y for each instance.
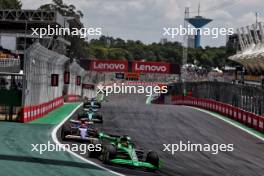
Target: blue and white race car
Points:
(79, 130)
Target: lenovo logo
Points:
(109, 66)
(125, 66)
(150, 67)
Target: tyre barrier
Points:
(244, 117)
(30, 113)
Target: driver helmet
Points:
(125, 140)
(83, 123)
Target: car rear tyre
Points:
(65, 131)
(95, 154)
(153, 158)
(80, 115)
(109, 152)
(100, 118)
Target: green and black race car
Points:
(90, 115)
(120, 150)
(92, 103)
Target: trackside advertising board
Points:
(130, 66)
(109, 66)
(150, 67)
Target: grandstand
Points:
(16, 29)
(250, 52)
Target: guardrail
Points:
(30, 113)
(247, 118)
(249, 98)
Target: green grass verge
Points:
(57, 115)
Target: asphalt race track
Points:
(151, 126)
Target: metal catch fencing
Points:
(40, 64)
(74, 89)
(246, 97)
(89, 92)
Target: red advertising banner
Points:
(109, 66)
(78, 80)
(88, 86)
(54, 80)
(129, 75)
(66, 77)
(150, 67)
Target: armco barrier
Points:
(247, 118)
(34, 112)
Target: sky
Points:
(145, 19)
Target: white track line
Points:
(55, 139)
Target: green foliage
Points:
(110, 48)
(78, 48)
(10, 4)
(100, 53)
(62, 8)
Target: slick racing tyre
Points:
(81, 115)
(95, 154)
(65, 130)
(153, 158)
(108, 153)
(99, 105)
(100, 118)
